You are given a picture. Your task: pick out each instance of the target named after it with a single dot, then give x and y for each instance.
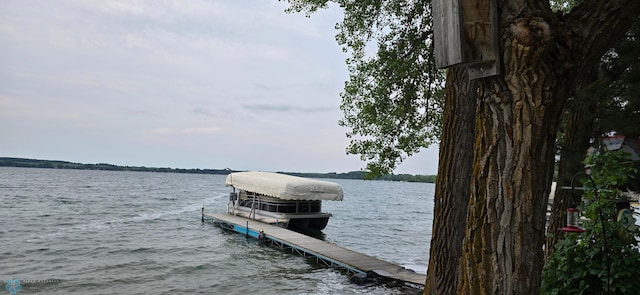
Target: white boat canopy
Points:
(285, 187)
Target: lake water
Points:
(104, 232)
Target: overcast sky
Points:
(181, 84)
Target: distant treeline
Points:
(32, 163)
(362, 174)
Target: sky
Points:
(181, 84)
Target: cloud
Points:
(274, 107)
(172, 83)
(15, 107)
(188, 130)
(204, 112)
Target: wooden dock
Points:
(362, 266)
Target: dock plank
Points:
(340, 255)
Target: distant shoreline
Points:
(52, 164)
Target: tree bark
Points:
(572, 154)
(517, 121)
(543, 55)
(513, 164)
(579, 128)
(452, 193)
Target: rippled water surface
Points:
(103, 232)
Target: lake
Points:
(113, 232)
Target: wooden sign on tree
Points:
(466, 34)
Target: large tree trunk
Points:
(518, 117)
(513, 165)
(452, 192)
(517, 121)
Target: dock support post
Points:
(247, 232)
(203, 213)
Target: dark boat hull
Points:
(303, 224)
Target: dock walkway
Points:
(323, 252)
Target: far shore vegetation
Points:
(32, 163)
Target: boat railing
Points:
(252, 213)
(256, 202)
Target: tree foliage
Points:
(620, 111)
(613, 88)
(605, 259)
(607, 100)
(393, 99)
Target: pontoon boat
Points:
(284, 200)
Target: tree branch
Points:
(596, 24)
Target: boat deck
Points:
(323, 252)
